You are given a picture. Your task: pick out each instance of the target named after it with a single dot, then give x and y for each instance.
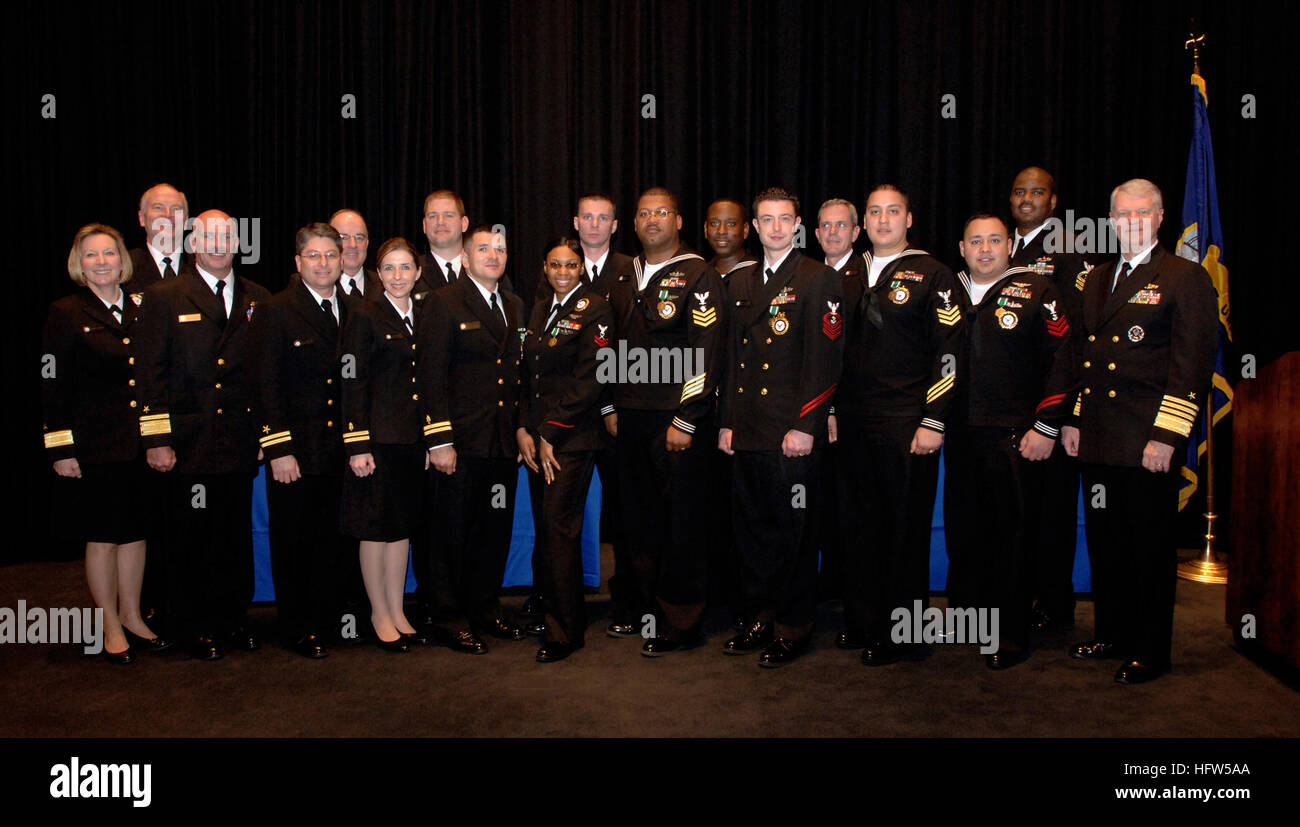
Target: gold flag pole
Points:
(1209, 567)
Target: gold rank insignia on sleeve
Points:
(693, 386)
(1176, 415)
(274, 439)
(155, 424)
(949, 315)
(57, 439)
(1082, 278)
(437, 427)
(941, 387)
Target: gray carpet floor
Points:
(609, 690)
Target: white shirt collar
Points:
(1139, 259)
(1015, 240)
(442, 263)
(158, 256)
(839, 265)
(487, 294)
(777, 266)
(598, 263)
(408, 314)
(121, 297)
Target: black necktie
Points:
(168, 272)
(329, 310)
(555, 308)
(1120, 275)
(1020, 245)
(768, 274)
(451, 273)
(595, 271)
(221, 301)
(352, 286)
(496, 310)
(409, 327)
(117, 312)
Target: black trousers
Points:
(886, 501)
(1131, 523)
(989, 492)
(1053, 537)
(723, 576)
(664, 501)
(473, 514)
(830, 574)
(774, 502)
(307, 553)
(557, 550)
(210, 569)
(153, 591)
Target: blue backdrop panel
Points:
(519, 571)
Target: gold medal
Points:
(667, 309)
(899, 295)
(552, 342)
(779, 324)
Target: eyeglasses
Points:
(357, 237)
(838, 225)
(563, 265)
(315, 255)
(662, 212)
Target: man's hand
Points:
(1034, 446)
(724, 441)
(527, 449)
(611, 423)
(796, 444)
(678, 440)
(285, 469)
(832, 429)
(68, 468)
(161, 459)
(1070, 440)
(1157, 456)
(444, 459)
(546, 458)
(925, 441)
(363, 465)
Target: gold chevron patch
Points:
(939, 388)
(949, 316)
(693, 386)
(704, 318)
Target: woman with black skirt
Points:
(92, 431)
(382, 439)
(560, 432)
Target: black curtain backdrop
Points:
(521, 106)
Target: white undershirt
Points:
(878, 266)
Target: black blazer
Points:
(87, 383)
(786, 344)
(470, 378)
(1148, 354)
(433, 278)
(145, 272)
(298, 380)
(379, 365)
(561, 395)
(194, 374)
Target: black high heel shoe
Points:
(153, 645)
(119, 658)
(399, 645)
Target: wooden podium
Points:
(1264, 566)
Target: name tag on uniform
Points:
(470, 325)
(189, 317)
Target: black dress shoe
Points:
(119, 658)
(883, 654)
(152, 645)
(311, 646)
(1136, 671)
(622, 630)
(534, 605)
(781, 651)
(243, 640)
(657, 647)
(851, 640)
(498, 628)
(1094, 650)
(755, 636)
(1006, 658)
(551, 651)
(465, 642)
(416, 638)
(535, 627)
(205, 647)
(399, 645)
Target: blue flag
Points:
(1202, 242)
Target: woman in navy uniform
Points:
(560, 433)
(91, 433)
(382, 439)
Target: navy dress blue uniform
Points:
(300, 412)
(784, 361)
(90, 414)
(560, 401)
(195, 380)
(1148, 354)
(1053, 527)
(663, 494)
(470, 387)
(379, 367)
(902, 348)
(1019, 364)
